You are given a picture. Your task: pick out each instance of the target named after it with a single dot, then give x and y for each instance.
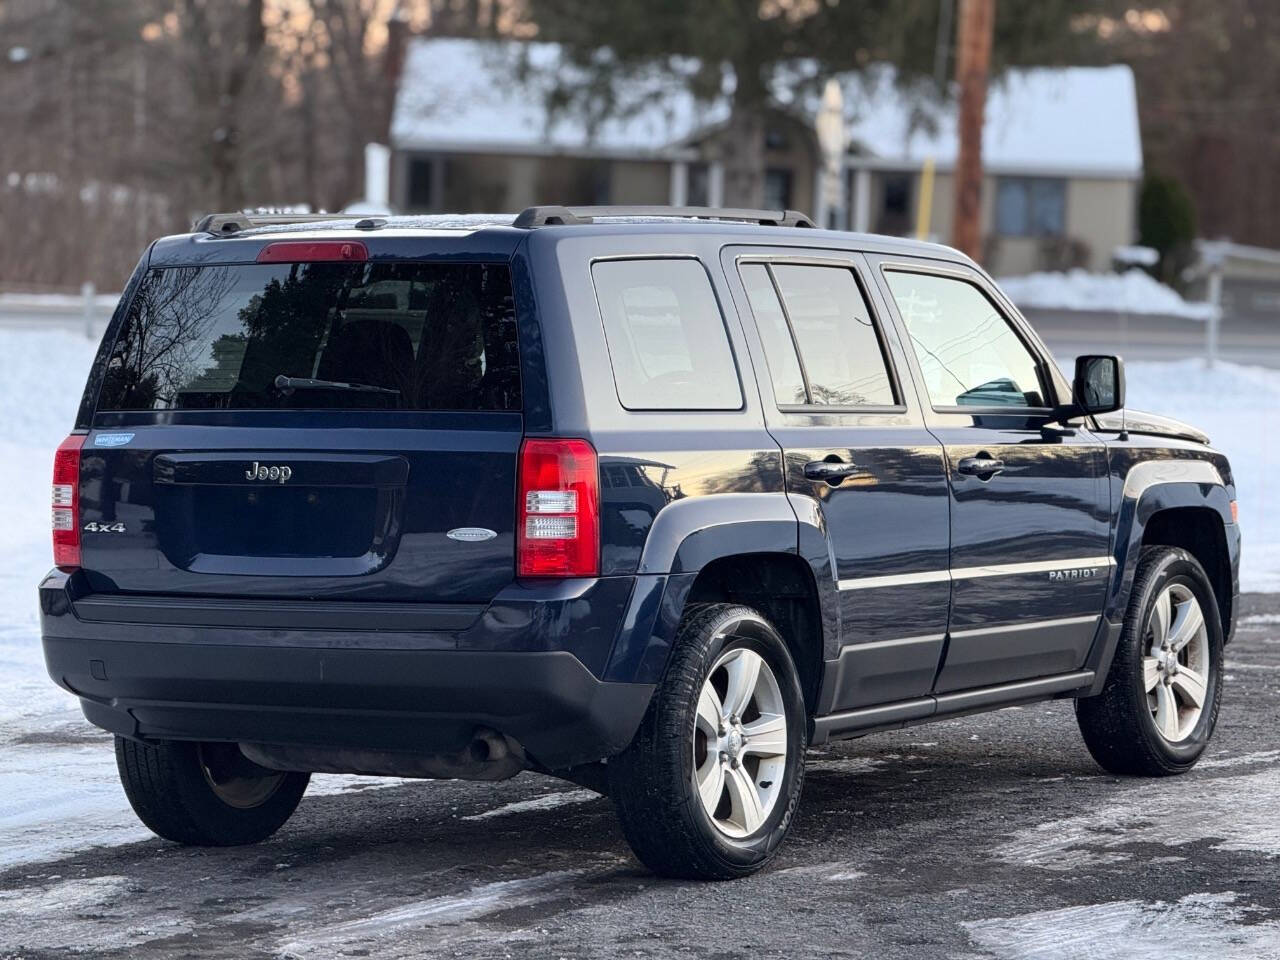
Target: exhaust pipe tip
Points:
(489, 755)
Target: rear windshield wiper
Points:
(290, 384)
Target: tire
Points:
(205, 794)
(653, 782)
(1118, 725)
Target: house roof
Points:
(477, 95)
(493, 96)
(1067, 120)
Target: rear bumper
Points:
(523, 668)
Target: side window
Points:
(824, 315)
(968, 353)
(779, 349)
(666, 336)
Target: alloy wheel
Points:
(1175, 668)
(739, 742)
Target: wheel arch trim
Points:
(1151, 488)
(686, 537)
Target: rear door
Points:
(855, 443)
(1030, 532)
(308, 429)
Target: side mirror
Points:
(1099, 384)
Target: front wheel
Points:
(205, 794)
(709, 787)
(1159, 707)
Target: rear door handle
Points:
(982, 467)
(833, 472)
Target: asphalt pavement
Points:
(987, 837)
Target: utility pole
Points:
(973, 64)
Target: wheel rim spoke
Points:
(1150, 673)
(1166, 712)
(711, 783)
(743, 672)
(747, 813)
(767, 736)
(1187, 625)
(710, 712)
(1161, 618)
(1191, 684)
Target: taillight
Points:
(66, 503)
(558, 512)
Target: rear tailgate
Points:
(341, 430)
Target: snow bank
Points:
(67, 301)
(1237, 407)
(42, 375)
(1131, 292)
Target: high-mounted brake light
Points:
(314, 251)
(558, 511)
(66, 503)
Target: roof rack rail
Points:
(552, 215)
(222, 224)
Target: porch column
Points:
(821, 196)
(679, 192)
(862, 200)
(715, 185)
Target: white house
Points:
(473, 130)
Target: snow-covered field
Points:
(58, 789)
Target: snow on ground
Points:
(1132, 930)
(58, 788)
(1130, 292)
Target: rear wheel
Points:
(709, 787)
(1159, 707)
(205, 794)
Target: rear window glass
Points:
(666, 337)
(406, 336)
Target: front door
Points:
(858, 453)
(1030, 532)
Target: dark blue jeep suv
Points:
(651, 500)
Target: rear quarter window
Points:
(427, 336)
(666, 336)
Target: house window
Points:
(777, 188)
(419, 188)
(895, 204)
(1031, 206)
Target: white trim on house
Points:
(539, 149)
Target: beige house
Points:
(472, 131)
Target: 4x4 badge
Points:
(260, 471)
